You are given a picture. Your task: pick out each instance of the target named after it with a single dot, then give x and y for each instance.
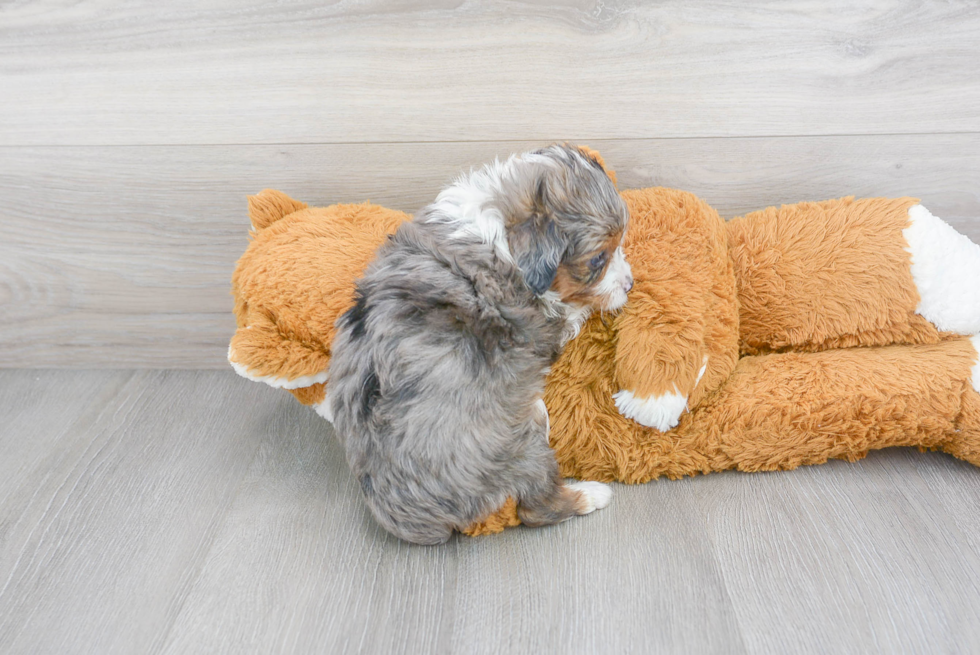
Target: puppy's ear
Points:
(537, 246)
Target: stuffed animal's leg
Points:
(841, 273)
(781, 411)
(677, 336)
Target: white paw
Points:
(659, 412)
(975, 373)
(945, 267)
(596, 494)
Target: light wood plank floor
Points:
(196, 512)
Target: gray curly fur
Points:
(438, 367)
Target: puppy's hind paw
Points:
(595, 495)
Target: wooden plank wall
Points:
(130, 133)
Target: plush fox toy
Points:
(784, 337)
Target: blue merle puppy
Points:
(438, 371)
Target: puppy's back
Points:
(431, 366)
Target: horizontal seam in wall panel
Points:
(252, 144)
(124, 367)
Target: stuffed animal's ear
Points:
(537, 246)
(597, 158)
(268, 206)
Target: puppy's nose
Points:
(628, 284)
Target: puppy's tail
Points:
(268, 206)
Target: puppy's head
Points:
(565, 224)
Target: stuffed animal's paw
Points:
(658, 412)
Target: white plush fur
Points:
(273, 381)
(617, 280)
(597, 494)
(975, 372)
(660, 412)
(323, 409)
(946, 272)
(704, 367)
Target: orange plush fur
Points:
(770, 304)
(294, 280)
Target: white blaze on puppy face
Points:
(617, 280)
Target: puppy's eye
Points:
(598, 261)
